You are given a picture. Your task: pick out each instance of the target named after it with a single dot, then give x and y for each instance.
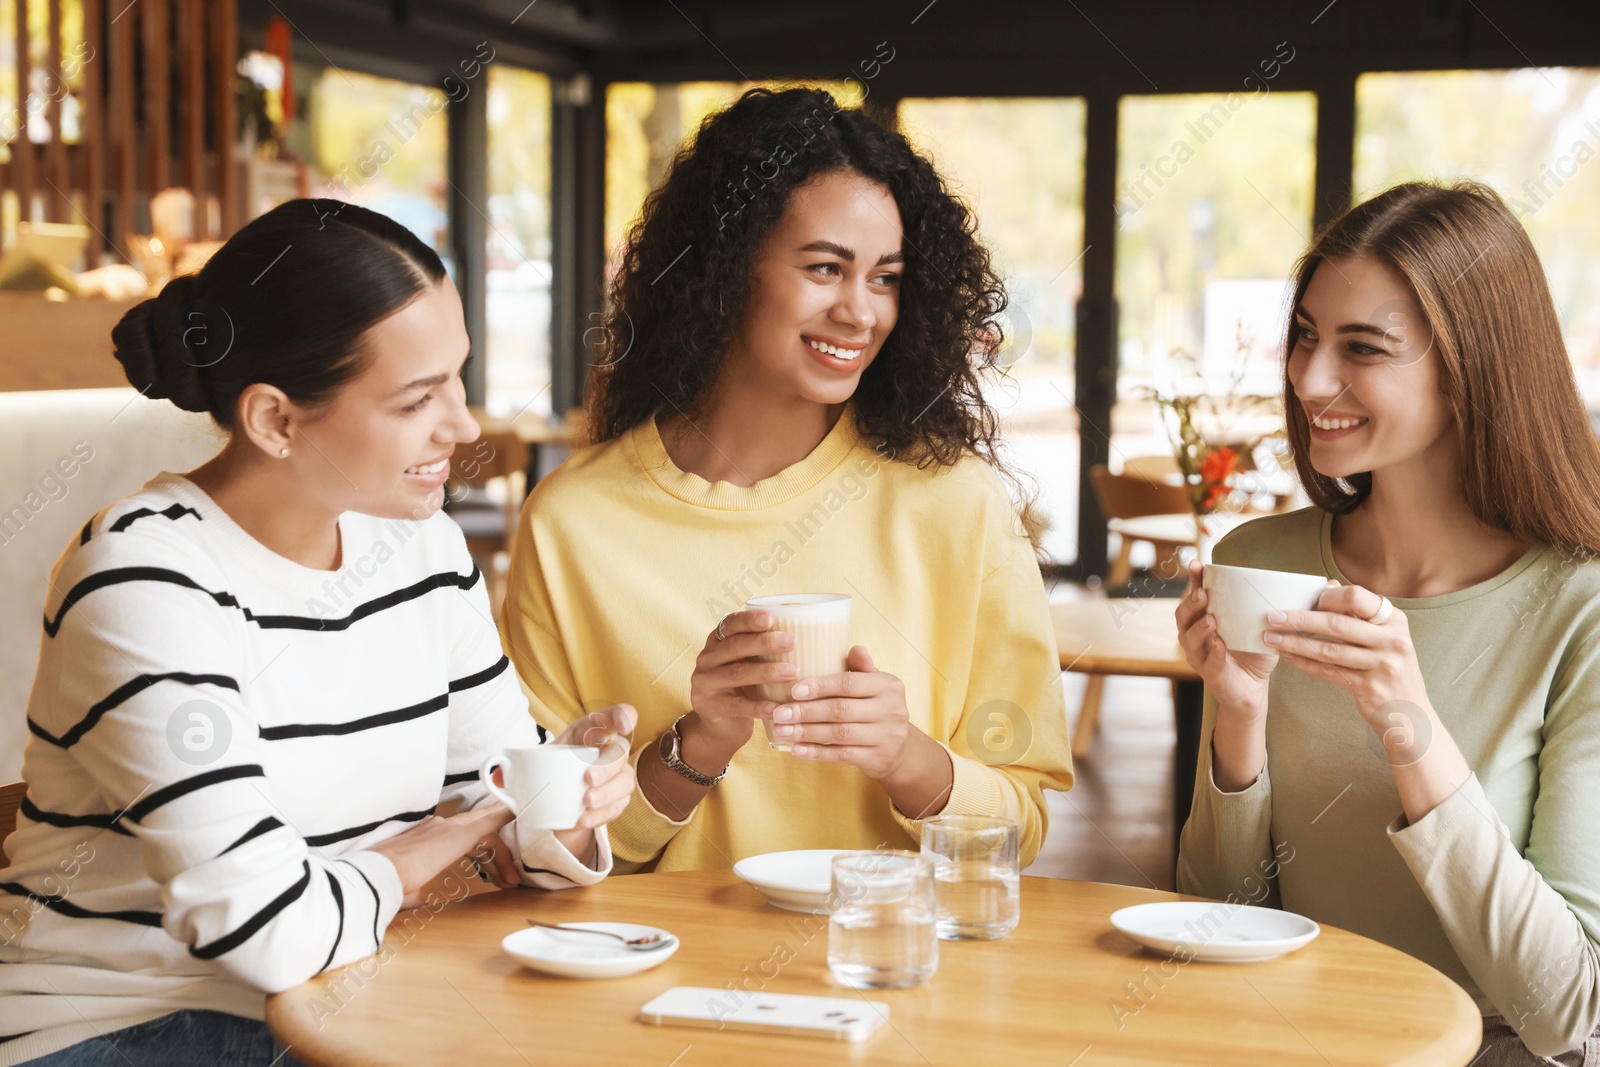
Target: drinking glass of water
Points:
(976, 875)
(881, 934)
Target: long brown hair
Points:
(1530, 464)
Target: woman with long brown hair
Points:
(1425, 774)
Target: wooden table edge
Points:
(1457, 1046)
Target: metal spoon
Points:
(637, 944)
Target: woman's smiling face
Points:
(824, 291)
(1365, 372)
(382, 446)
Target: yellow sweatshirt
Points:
(623, 564)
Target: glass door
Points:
(1214, 206)
(1019, 164)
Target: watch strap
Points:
(671, 754)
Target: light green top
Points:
(1499, 886)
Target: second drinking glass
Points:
(976, 876)
(880, 934)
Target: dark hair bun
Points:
(298, 327)
(150, 343)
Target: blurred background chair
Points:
(492, 474)
(1127, 498)
(10, 801)
(1161, 467)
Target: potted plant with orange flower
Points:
(1210, 454)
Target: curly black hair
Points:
(699, 232)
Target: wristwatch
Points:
(670, 748)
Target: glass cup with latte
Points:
(820, 623)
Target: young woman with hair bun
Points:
(233, 771)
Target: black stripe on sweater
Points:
(34, 813)
(229, 942)
(377, 904)
(62, 906)
(173, 512)
(121, 694)
(265, 826)
(355, 726)
(445, 580)
(541, 870)
(338, 898)
(472, 680)
(168, 793)
(457, 779)
(319, 840)
(119, 575)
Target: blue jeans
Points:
(183, 1039)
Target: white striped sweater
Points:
(218, 737)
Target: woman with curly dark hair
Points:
(789, 401)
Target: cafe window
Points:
(1533, 135)
(32, 115)
(379, 143)
(646, 124)
(517, 351)
(1019, 165)
(1213, 203)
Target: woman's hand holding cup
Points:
(1237, 679)
(610, 780)
(721, 688)
(1237, 601)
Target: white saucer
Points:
(796, 881)
(1216, 931)
(573, 955)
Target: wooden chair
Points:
(490, 529)
(1161, 467)
(10, 800)
(1164, 468)
(1123, 499)
(1132, 496)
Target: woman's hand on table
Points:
(720, 689)
(610, 780)
(1237, 679)
(436, 843)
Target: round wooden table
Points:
(1063, 988)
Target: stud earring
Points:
(283, 451)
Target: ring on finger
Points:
(722, 634)
(1385, 610)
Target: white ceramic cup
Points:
(1240, 598)
(820, 623)
(544, 783)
